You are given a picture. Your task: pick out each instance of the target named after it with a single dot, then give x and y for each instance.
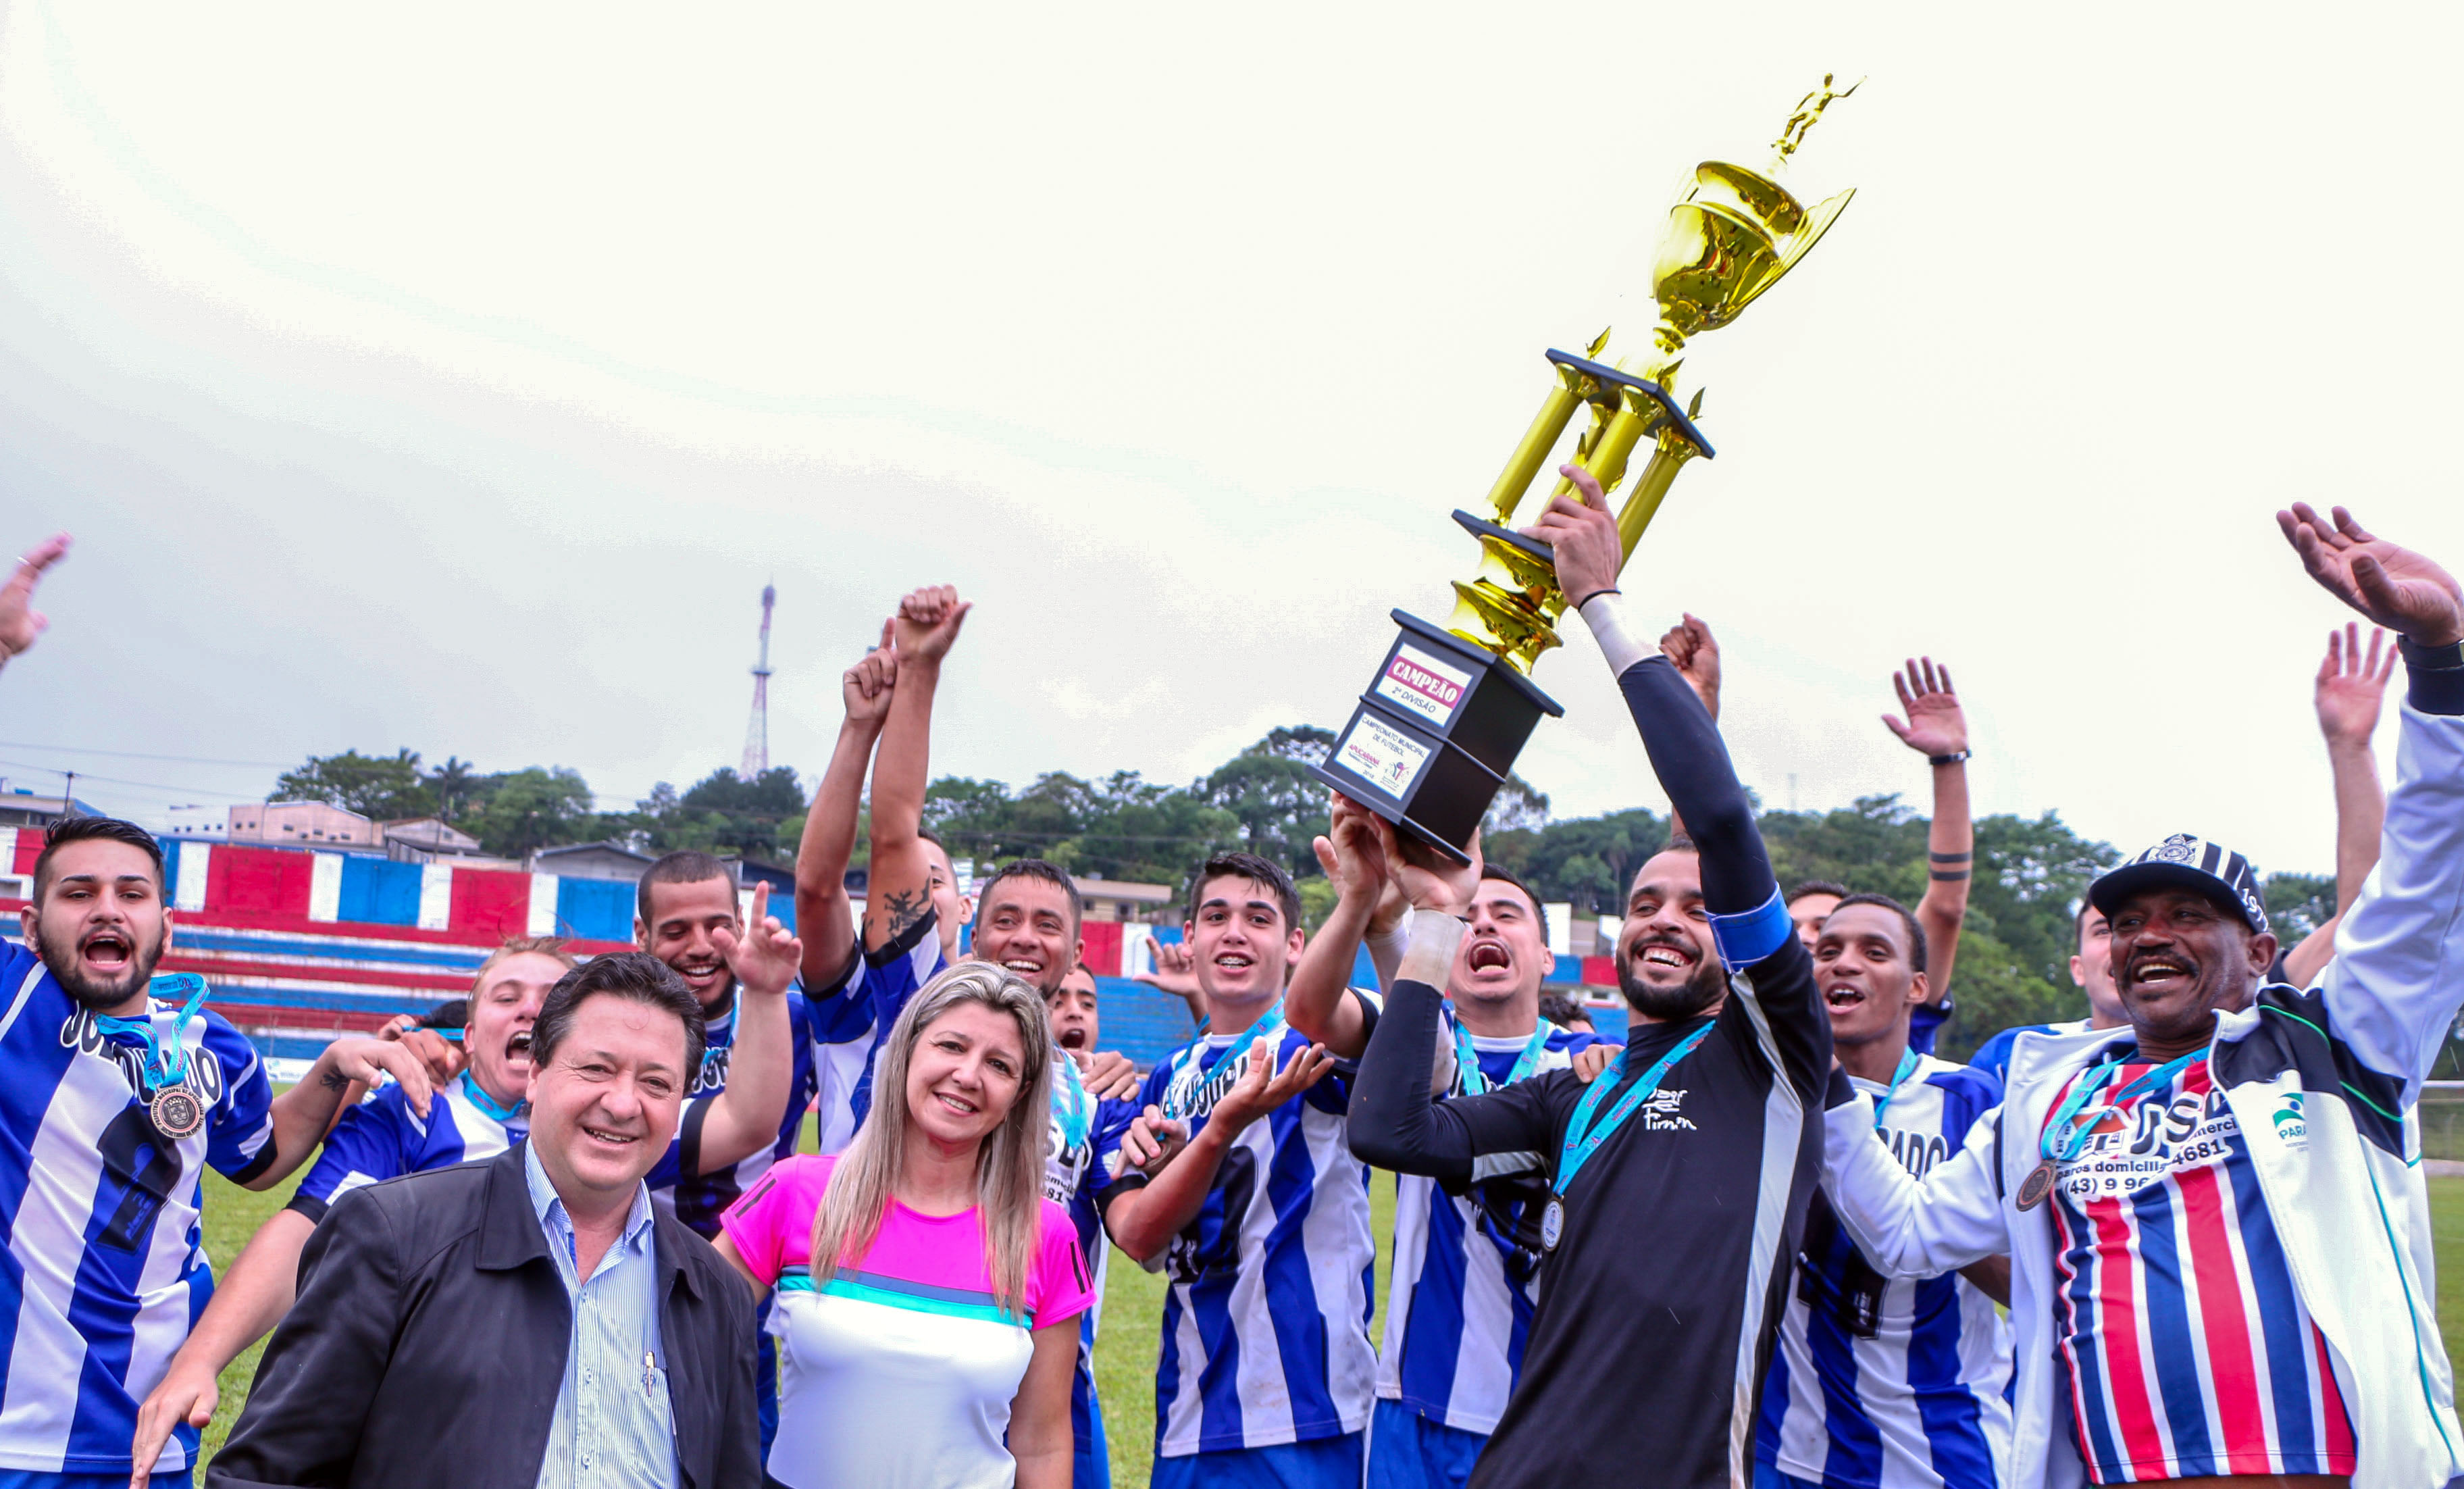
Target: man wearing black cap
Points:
(2216, 1274)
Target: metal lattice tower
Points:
(756, 732)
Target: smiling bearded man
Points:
(2215, 1272)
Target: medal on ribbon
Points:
(171, 1101)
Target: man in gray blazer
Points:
(532, 1320)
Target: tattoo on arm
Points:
(334, 1080)
(902, 909)
(1952, 875)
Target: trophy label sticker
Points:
(1423, 684)
(1384, 756)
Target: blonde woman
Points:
(928, 1293)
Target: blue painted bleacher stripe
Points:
(380, 892)
(595, 909)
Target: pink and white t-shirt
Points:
(900, 1370)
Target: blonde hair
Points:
(1009, 1164)
(521, 946)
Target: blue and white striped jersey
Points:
(1266, 1326)
(843, 1030)
(105, 1269)
(1892, 1385)
(699, 1199)
(382, 1138)
(891, 975)
(1460, 1305)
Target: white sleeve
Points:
(2398, 975)
(1907, 1227)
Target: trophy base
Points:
(1435, 736)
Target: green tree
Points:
(2299, 904)
(1268, 789)
(452, 783)
(376, 787)
(1517, 807)
(520, 811)
(1997, 992)
(725, 813)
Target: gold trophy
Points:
(1434, 737)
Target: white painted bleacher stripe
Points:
(435, 896)
(542, 920)
(325, 886)
(8, 850)
(190, 892)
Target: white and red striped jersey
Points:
(2185, 1344)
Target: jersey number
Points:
(1191, 1260)
(133, 1154)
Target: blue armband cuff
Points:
(1747, 938)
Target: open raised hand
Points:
(1934, 725)
(2351, 686)
(2391, 585)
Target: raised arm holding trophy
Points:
(1436, 734)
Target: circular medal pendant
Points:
(1552, 1225)
(177, 1112)
(2038, 1184)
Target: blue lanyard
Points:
(1179, 1098)
(502, 1116)
(1582, 1139)
(162, 1068)
(1899, 1079)
(1467, 1059)
(1071, 1106)
(2062, 1141)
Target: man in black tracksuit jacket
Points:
(1660, 1297)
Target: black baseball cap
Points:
(2185, 863)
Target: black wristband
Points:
(1960, 758)
(2433, 676)
(1578, 605)
(2433, 658)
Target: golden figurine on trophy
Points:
(1434, 737)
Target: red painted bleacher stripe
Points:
(258, 880)
(29, 846)
(1103, 950)
(1599, 971)
(491, 902)
(254, 1016)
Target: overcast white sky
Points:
(457, 377)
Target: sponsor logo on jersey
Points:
(1659, 1114)
(2292, 1127)
(713, 1076)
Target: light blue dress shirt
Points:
(614, 1424)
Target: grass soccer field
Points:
(1125, 1355)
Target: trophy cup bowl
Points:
(1437, 731)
